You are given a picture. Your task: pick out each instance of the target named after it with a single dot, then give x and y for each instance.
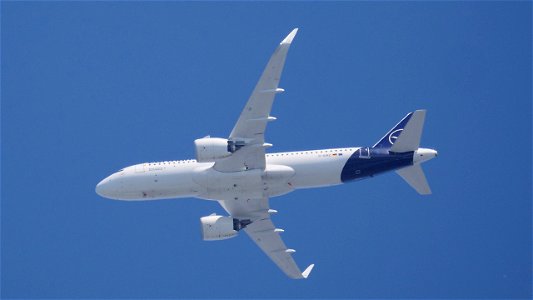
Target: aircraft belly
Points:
(316, 171)
(231, 185)
(164, 183)
(277, 180)
(317, 175)
(256, 183)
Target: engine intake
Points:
(210, 149)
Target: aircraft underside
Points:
(239, 173)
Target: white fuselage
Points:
(237, 172)
(284, 172)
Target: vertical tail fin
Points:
(405, 136)
(388, 140)
(409, 139)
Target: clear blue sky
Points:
(91, 87)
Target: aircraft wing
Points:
(263, 232)
(248, 135)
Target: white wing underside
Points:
(251, 125)
(263, 232)
(249, 134)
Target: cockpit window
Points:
(120, 170)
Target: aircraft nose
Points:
(102, 188)
(106, 188)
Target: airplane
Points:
(240, 174)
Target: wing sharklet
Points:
(307, 271)
(290, 37)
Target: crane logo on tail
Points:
(393, 136)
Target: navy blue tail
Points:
(369, 162)
(388, 140)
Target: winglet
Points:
(307, 271)
(289, 37)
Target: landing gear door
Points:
(364, 152)
(140, 168)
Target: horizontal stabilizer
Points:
(414, 176)
(409, 138)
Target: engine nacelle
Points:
(216, 228)
(209, 149)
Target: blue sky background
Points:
(91, 87)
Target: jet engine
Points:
(216, 228)
(209, 149)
